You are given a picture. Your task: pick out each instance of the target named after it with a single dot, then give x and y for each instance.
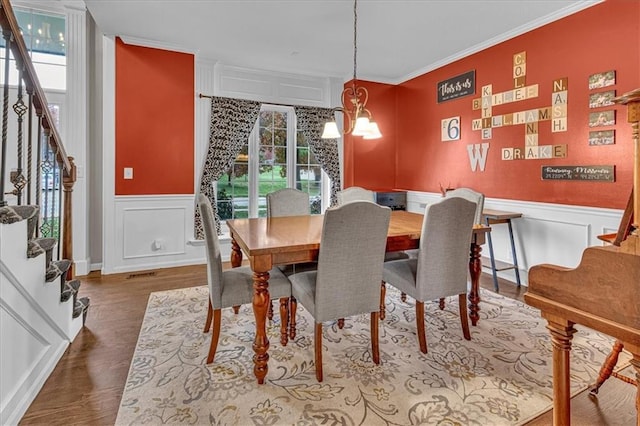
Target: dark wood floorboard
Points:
(87, 384)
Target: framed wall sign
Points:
(590, 173)
(457, 87)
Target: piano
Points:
(602, 293)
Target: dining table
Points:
(268, 242)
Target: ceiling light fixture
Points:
(354, 100)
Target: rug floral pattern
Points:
(501, 377)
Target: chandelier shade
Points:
(358, 119)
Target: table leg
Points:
(561, 334)
(261, 302)
(475, 269)
(236, 254)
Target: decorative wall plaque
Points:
(457, 87)
(591, 173)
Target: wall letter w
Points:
(478, 155)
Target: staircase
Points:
(40, 308)
(40, 311)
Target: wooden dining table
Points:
(267, 242)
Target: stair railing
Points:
(50, 163)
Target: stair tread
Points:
(57, 268)
(13, 214)
(70, 289)
(39, 246)
(81, 306)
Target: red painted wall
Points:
(361, 154)
(154, 120)
(601, 38)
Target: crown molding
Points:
(155, 44)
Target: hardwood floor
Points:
(87, 384)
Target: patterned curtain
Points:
(310, 121)
(231, 123)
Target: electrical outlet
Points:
(128, 172)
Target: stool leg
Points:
(493, 262)
(513, 251)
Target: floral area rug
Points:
(503, 376)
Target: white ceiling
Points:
(397, 39)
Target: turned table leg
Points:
(561, 334)
(261, 303)
(475, 269)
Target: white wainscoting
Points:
(153, 232)
(546, 233)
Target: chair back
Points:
(352, 248)
(443, 258)
(355, 193)
(288, 202)
(471, 195)
(214, 257)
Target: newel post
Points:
(68, 180)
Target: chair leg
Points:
(292, 317)
(383, 295)
(207, 324)
(284, 321)
(441, 303)
(464, 318)
(317, 335)
(375, 348)
(422, 338)
(236, 309)
(340, 323)
(217, 316)
(270, 312)
(403, 297)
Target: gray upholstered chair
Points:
(474, 197)
(442, 264)
(234, 286)
(471, 195)
(288, 202)
(355, 193)
(347, 281)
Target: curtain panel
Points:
(310, 121)
(231, 123)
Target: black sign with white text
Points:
(592, 173)
(457, 87)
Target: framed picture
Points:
(602, 79)
(602, 118)
(602, 137)
(601, 99)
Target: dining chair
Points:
(289, 202)
(347, 280)
(441, 268)
(473, 196)
(234, 287)
(356, 193)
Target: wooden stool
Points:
(494, 217)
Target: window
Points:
(43, 35)
(274, 157)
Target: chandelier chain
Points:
(355, 39)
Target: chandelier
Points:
(358, 118)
